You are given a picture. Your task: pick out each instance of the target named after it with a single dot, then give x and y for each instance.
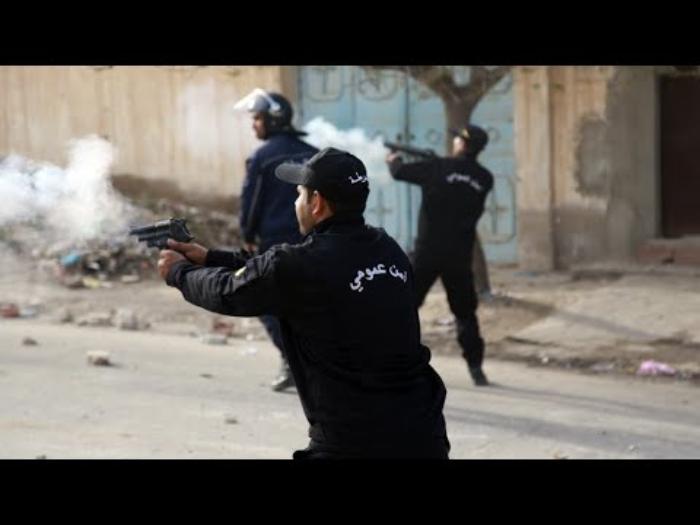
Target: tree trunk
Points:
(457, 114)
(482, 283)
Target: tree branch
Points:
(438, 78)
(441, 80)
(482, 79)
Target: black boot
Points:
(478, 376)
(284, 380)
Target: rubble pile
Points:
(100, 262)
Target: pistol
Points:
(157, 235)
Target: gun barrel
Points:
(394, 146)
(145, 230)
(158, 233)
(160, 226)
(151, 235)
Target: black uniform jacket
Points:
(345, 300)
(454, 190)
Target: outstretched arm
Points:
(414, 172)
(247, 291)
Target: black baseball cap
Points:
(475, 136)
(338, 175)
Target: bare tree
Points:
(459, 100)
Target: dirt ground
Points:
(558, 390)
(519, 302)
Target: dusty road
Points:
(172, 396)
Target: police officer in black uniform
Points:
(346, 304)
(454, 190)
(267, 204)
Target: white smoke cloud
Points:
(75, 204)
(323, 134)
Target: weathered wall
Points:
(172, 125)
(533, 156)
(586, 143)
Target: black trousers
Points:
(272, 327)
(458, 280)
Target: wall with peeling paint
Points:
(587, 148)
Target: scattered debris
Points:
(126, 319)
(91, 282)
(42, 456)
(9, 310)
(231, 420)
(222, 326)
(632, 448)
(95, 319)
(28, 341)
(73, 281)
(603, 366)
(558, 455)
(206, 376)
(251, 350)
(36, 303)
(62, 315)
(445, 321)
(71, 259)
(28, 312)
(655, 368)
(98, 262)
(99, 358)
(214, 339)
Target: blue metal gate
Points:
(398, 108)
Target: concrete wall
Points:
(534, 170)
(587, 154)
(172, 125)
